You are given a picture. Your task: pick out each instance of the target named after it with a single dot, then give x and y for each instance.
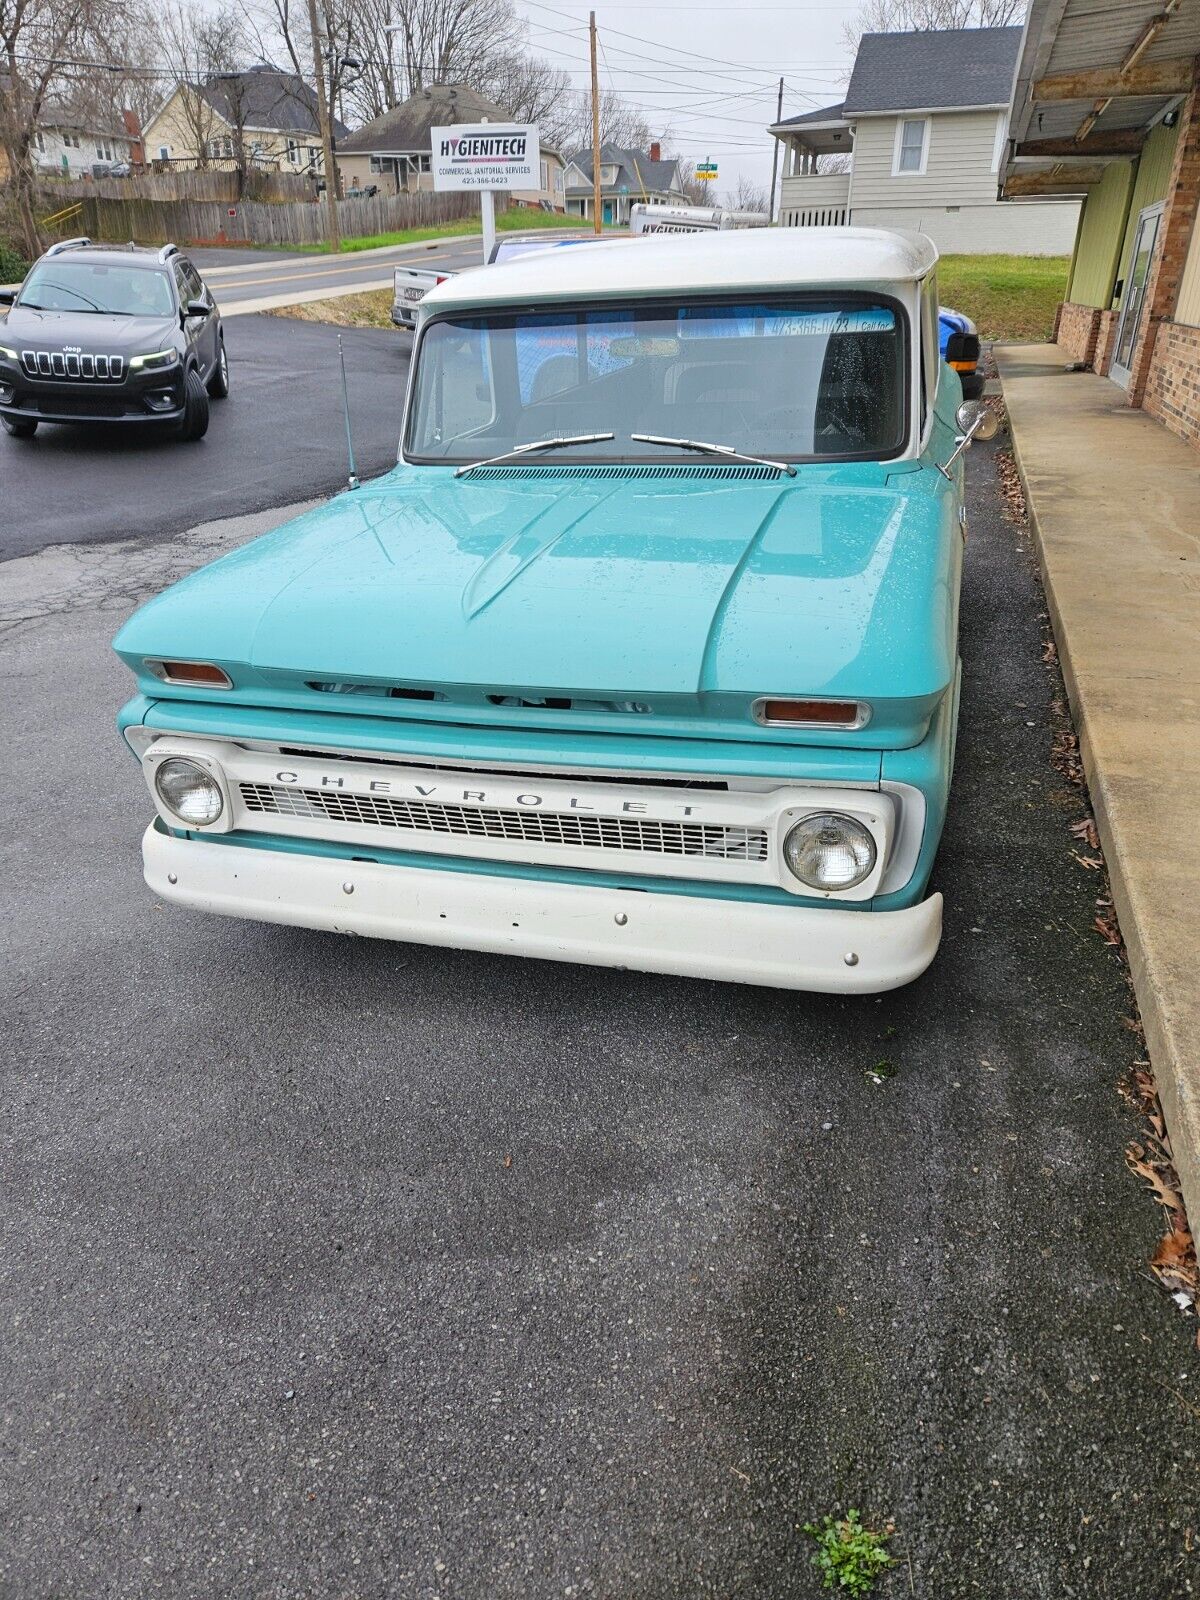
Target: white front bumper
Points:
(785, 947)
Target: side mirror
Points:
(7, 297)
(977, 421)
(196, 308)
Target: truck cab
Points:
(645, 654)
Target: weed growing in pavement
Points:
(849, 1556)
(882, 1069)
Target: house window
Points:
(545, 174)
(376, 165)
(293, 152)
(164, 152)
(314, 155)
(912, 146)
(41, 141)
(558, 180)
(423, 164)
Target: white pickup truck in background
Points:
(412, 284)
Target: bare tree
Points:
(532, 90)
(47, 48)
(620, 124)
(204, 50)
(916, 16)
(748, 195)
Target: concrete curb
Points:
(1113, 685)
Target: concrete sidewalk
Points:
(1115, 502)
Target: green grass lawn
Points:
(517, 220)
(1008, 297)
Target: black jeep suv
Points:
(111, 334)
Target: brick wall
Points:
(1076, 331)
(1106, 333)
(1170, 252)
(1173, 382)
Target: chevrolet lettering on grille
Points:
(528, 798)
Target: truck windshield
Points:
(798, 379)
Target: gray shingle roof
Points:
(635, 171)
(932, 69)
(824, 114)
(405, 128)
(265, 97)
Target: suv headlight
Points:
(189, 790)
(830, 851)
(7, 353)
(156, 358)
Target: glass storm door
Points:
(1133, 298)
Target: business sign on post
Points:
(486, 155)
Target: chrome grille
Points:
(639, 835)
(87, 368)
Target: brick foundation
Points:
(1076, 331)
(1173, 381)
(1106, 335)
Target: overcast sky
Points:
(710, 72)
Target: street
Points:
(248, 281)
(338, 1267)
(281, 435)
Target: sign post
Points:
(486, 156)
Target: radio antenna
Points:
(352, 482)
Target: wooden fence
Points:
(197, 184)
(252, 222)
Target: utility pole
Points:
(595, 125)
(326, 128)
(775, 157)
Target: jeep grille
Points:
(83, 368)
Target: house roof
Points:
(824, 114)
(754, 258)
(635, 172)
(933, 70)
(266, 97)
(60, 114)
(404, 130)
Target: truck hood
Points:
(616, 582)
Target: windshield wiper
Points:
(714, 450)
(537, 444)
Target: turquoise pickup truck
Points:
(645, 654)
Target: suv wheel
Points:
(20, 427)
(195, 408)
(218, 384)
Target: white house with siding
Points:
(921, 137)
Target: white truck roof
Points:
(754, 259)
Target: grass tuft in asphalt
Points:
(849, 1556)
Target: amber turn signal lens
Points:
(810, 713)
(963, 366)
(196, 672)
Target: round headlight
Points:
(828, 851)
(189, 790)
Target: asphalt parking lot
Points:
(341, 1268)
(280, 436)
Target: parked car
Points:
(107, 334)
(958, 338)
(645, 654)
(111, 169)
